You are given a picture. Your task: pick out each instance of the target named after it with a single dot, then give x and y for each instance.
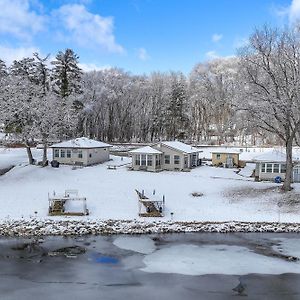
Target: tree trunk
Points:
(289, 165)
(45, 160)
(29, 153)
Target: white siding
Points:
(172, 153)
(97, 155)
(89, 156)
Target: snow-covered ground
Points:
(111, 194)
(17, 156)
(247, 154)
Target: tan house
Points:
(272, 164)
(169, 155)
(227, 158)
(81, 151)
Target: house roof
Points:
(181, 147)
(82, 142)
(272, 156)
(146, 150)
(227, 151)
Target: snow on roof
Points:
(82, 142)
(272, 156)
(181, 147)
(228, 151)
(146, 150)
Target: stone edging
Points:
(47, 227)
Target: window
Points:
(218, 156)
(79, 153)
(263, 168)
(137, 160)
(269, 168)
(276, 168)
(143, 160)
(68, 153)
(283, 168)
(90, 155)
(167, 159)
(62, 153)
(56, 153)
(176, 159)
(149, 160)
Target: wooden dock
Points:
(58, 204)
(150, 207)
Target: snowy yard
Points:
(111, 194)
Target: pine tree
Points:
(3, 69)
(66, 73)
(41, 70)
(24, 68)
(176, 117)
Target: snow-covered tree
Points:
(212, 91)
(270, 68)
(176, 113)
(3, 69)
(66, 74)
(19, 107)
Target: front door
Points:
(229, 161)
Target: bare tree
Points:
(270, 69)
(212, 89)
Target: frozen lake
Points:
(167, 266)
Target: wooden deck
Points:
(57, 204)
(152, 208)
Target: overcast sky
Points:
(139, 36)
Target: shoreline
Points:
(49, 227)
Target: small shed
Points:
(81, 151)
(228, 158)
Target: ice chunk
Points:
(143, 245)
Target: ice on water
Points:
(139, 244)
(215, 259)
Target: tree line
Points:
(251, 97)
(114, 105)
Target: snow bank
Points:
(247, 170)
(215, 259)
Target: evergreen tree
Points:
(66, 73)
(176, 117)
(24, 68)
(3, 69)
(41, 71)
